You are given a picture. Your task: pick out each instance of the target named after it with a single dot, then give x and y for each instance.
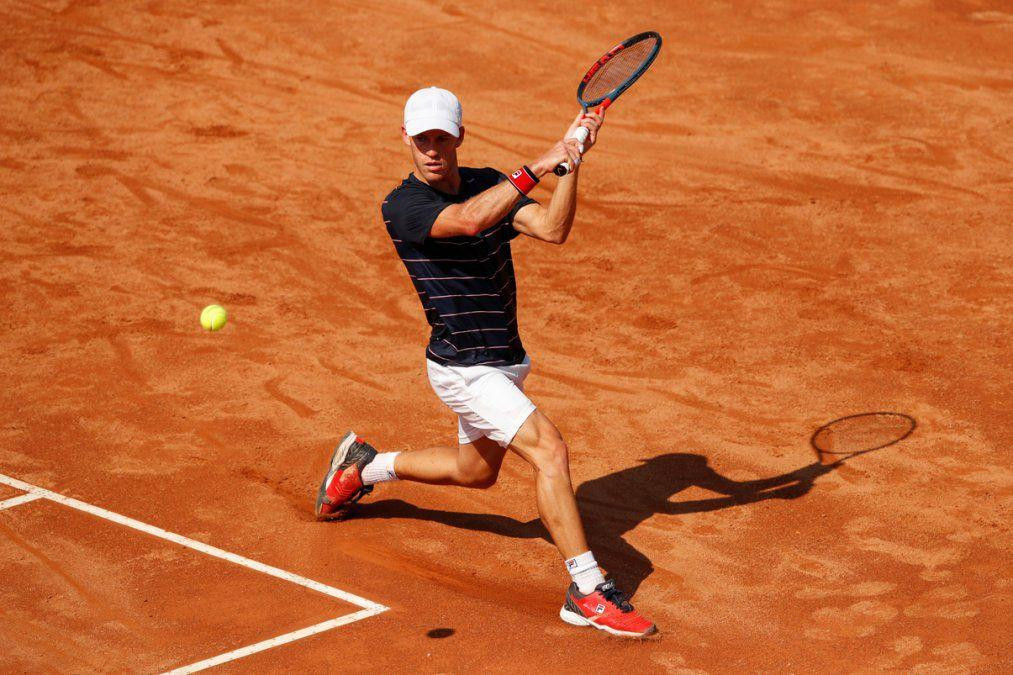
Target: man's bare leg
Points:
(591, 600)
(478, 463)
(541, 445)
(474, 464)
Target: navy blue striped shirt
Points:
(466, 284)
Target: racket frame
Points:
(612, 95)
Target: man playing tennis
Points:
(452, 227)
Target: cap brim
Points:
(420, 124)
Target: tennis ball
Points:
(213, 317)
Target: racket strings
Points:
(618, 69)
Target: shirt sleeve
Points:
(409, 213)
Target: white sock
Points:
(381, 469)
(584, 571)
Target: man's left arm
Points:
(552, 224)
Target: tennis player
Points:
(452, 227)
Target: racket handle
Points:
(580, 135)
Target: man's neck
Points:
(451, 184)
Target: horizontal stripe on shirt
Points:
(466, 285)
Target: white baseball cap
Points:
(432, 108)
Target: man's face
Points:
(434, 152)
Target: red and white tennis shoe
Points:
(606, 609)
(342, 485)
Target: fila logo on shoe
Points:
(571, 564)
(599, 609)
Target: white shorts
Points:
(489, 400)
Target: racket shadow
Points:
(616, 503)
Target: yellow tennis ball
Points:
(213, 317)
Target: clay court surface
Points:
(798, 215)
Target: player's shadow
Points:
(616, 503)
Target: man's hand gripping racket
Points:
(608, 78)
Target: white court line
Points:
(369, 608)
(274, 642)
(20, 499)
(191, 543)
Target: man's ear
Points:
(460, 137)
(405, 137)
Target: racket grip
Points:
(580, 135)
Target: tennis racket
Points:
(610, 76)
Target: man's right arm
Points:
(490, 206)
(477, 214)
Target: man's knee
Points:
(541, 444)
(551, 457)
(478, 475)
(483, 481)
